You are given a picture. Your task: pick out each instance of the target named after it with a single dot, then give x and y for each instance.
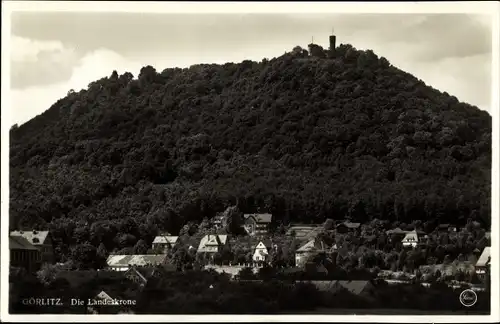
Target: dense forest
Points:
(307, 136)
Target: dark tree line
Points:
(339, 134)
(203, 292)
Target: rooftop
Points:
(34, 237)
(136, 260)
(313, 245)
(162, 239)
(20, 243)
(211, 240)
(350, 225)
(483, 258)
(260, 218)
(411, 237)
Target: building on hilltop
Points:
(257, 224)
(42, 240)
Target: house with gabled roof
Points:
(23, 254)
(42, 240)
(257, 224)
(410, 239)
(125, 262)
(262, 251)
(483, 262)
(212, 243)
(308, 250)
(141, 275)
(164, 243)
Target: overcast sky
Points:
(54, 52)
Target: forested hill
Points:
(341, 134)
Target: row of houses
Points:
(214, 243)
(29, 249)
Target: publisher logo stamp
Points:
(468, 298)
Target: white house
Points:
(410, 239)
(261, 252)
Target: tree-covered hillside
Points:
(340, 134)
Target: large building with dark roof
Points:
(257, 224)
(41, 240)
(23, 254)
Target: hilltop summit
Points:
(306, 136)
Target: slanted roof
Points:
(304, 231)
(260, 218)
(211, 240)
(411, 237)
(264, 244)
(483, 258)
(320, 268)
(135, 260)
(34, 237)
(324, 285)
(139, 273)
(313, 245)
(20, 243)
(163, 239)
(103, 295)
(350, 225)
(355, 287)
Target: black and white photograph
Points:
(250, 161)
